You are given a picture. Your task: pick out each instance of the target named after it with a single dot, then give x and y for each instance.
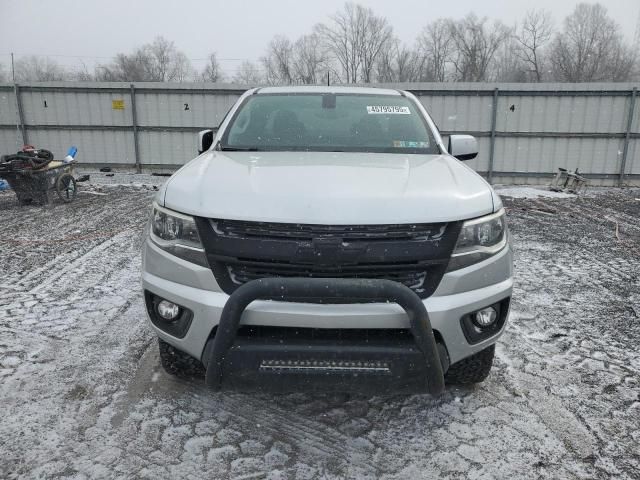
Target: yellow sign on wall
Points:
(117, 104)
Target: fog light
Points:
(168, 310)
(486, 317)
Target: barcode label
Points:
(386, 109)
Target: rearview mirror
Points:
(205, 139)
(463, 147)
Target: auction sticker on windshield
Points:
(410, 144)
(373, 109)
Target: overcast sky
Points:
(235, 29)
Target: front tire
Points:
(473, 369)
(178, 363)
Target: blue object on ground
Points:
(4, 185)
(71, 154)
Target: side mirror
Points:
(205, 139)
(463, 147)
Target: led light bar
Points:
(335, 366)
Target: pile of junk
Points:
(34, 175)
(569, 182)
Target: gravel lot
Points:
(83, 396)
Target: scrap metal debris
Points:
(566, 181)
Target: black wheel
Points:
(179, 363)
(473, 369)
(66, 187)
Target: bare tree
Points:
(248, 74)
(476, 44)
(399, 63)
(436, 46)
(82, 74)
(386, 65)
(533, 34)
(212, 71)
(38, 69)
(385, 68)
(181, 69)
(409, 65)
(377, 33)
(342, 40)
(356, 37)
(159, 54)
(590, 49)
(507, 65)
(286, 62)
(125, 68)
(278, 62)
(622, 64)
(166, 63)
(310, 60)
(158, 61)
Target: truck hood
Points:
(328, 188)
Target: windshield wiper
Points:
(239, 149)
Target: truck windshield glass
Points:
(328, 122)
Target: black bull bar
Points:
(331, 291)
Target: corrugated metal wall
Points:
(168, 121)
(538, 127)
(573, 120)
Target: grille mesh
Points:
(235, 228)
(409, 276)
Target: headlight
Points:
(479, 239)
(177, 234)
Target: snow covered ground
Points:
(82, 394)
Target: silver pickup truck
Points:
(327, 238)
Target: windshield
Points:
(329, 122)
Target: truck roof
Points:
(328, 89)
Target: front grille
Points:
(236, 228)
(410, 276)
(415, 255)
